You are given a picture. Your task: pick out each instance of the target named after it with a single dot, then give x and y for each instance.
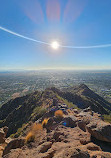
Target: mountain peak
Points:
(83, 86)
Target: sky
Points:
(69, 22)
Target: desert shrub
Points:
(12, 135)
(35, 130)
(107, 118)
(19, 131)
(36, 127)
(30, 137)
(68, 110)
(38, 112)
(59, 113)
(44, 122)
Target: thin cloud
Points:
(46, 43)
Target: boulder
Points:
(3, 133)
(16, 143)
(2, 136)
(44, 147)
(85, 141)
(76, 111)
(73, 153)
(5, 129)
(100, 130)
(100, 154)
(93, 147)
(78, 153)
(49, 124)
(87, 109)
(70, 121)
(82, 125)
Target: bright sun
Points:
(55, 45)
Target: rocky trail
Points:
(64, 133)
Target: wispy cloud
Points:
(46, 43)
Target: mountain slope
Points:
(31, 107)
(73, 134)
(21, 110)
(83, 97)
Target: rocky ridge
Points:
(19, 111)
(75, 134)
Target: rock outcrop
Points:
(13, 144)
(67, 135)
(3, 133)
(100, 130)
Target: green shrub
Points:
(107, 118)
(39, 111)
(69, 104)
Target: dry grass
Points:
(30, 137)
(59, 113)
(44, 122)
(68, 110)
(36, 129)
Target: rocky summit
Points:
(51, 124)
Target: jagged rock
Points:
(100, 130)
(1, 150)
(73, 153)
(82, 125)
(44, 147)
(77, 153)
(100, 154)
(87, 109)
(57, 135)
(16, 143)
(2, 136)
(70, 121)
(76, 111)
(65, 137)
(93, 147)
(85, 141)
(3, 133)
(5, 129)
(8, 140)
(49, 124)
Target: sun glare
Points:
(55, 45)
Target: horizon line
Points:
(58, 69)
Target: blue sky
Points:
(70, 22)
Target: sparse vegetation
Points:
(39, 111)
(19, 131)
(69, 104)
(59, 113)
(107, 118)
(36, 128)
(30, 137)
(44, 122)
